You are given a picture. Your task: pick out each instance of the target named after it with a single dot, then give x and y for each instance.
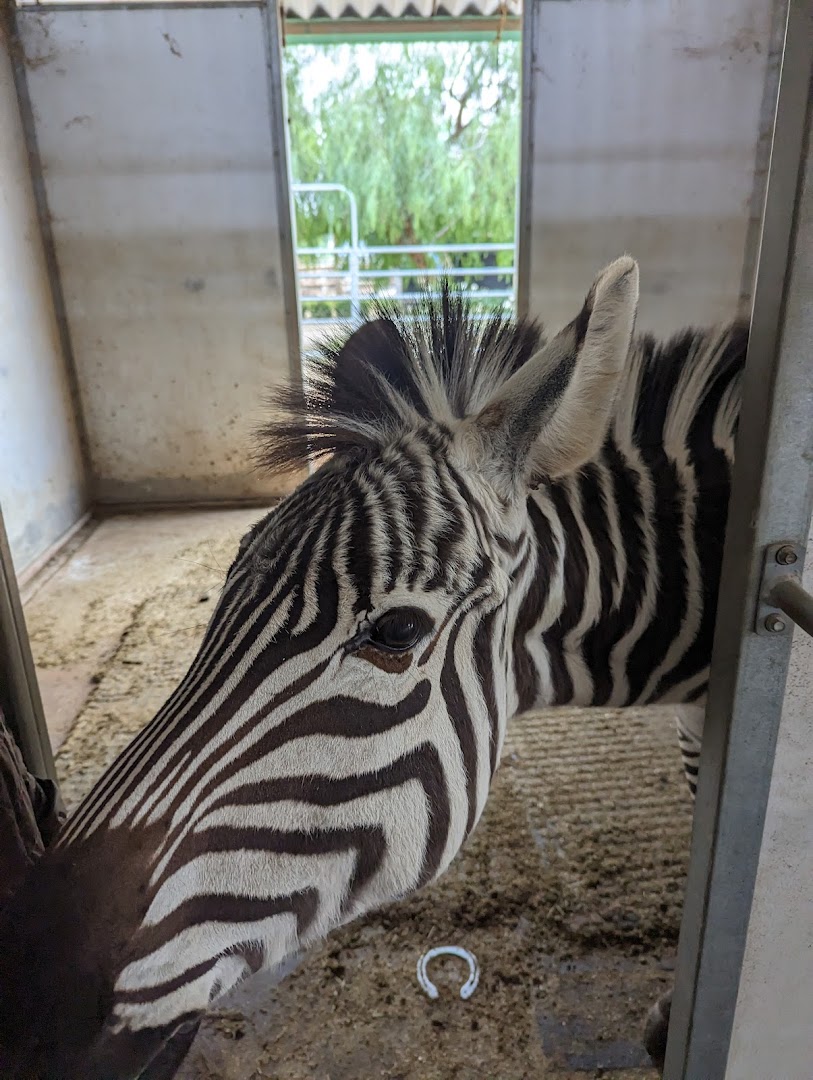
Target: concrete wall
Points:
(41, 475)
(156, 140)
(642, 133)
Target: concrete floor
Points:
(569, 892)
(85, 610)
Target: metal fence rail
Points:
(344, 279)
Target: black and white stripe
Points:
(287, 754)
(549, 517)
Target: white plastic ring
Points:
(470, 985)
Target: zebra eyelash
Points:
(373, 634)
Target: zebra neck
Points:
(619, 609)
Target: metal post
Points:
(770, 505)
(797, 604)
(274, 36)
(353, 253)
(355, 298)
(19, 693)
(531, 63)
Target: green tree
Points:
(425, 135)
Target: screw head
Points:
(775, 625)
(786, 556)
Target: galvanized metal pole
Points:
(531, 15)
(19, 692)
(797, 604)
(355, 298)
(286, 217)
(770, 505)
(353, 254)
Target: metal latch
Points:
(782, 600)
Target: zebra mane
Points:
(361, 389)
(443, 360)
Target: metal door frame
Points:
(769, 517)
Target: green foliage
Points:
(425, 135)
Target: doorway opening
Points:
(404, 167)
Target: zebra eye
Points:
(400, 629)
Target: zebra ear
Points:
(376, 346)
(551, 416)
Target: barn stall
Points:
(149, 297)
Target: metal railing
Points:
(349, 279)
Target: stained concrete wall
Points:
(160, 169)
(41, 475)
(644, 122)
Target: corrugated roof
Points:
(399, 9)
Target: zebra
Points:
(492, 520)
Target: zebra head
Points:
(333, 743)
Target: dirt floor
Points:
(568, 893)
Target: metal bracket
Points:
(782, 562)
